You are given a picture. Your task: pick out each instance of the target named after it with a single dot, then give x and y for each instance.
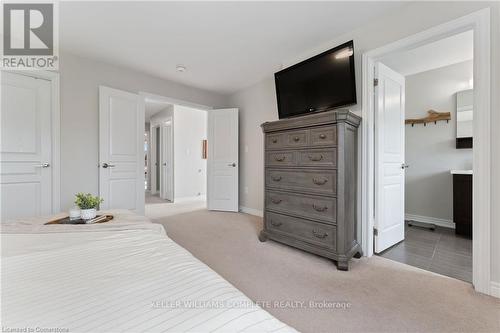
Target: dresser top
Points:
(316, 119)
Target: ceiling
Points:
(151, 107)
(226, 46)
(444, 52)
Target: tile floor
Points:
(439, 251)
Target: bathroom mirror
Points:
(465, 116)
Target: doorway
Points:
(432, 227)
(177, 168)
(479, 23)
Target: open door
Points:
(167, 166)
(222, 161)
(389, 157)
(121, 151)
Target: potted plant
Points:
(88, 205)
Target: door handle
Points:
(232, 165)
(106, 165)
(43, 165)
(404, 166)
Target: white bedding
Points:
(125, 276)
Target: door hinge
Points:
(375, 232)
(375, 82)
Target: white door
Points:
(223, 160)
(26, 147)
(389, 157)
(167, 181)
(121, 155)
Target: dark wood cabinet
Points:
(462, 204)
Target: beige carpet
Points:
(383, 295)
(155, 210)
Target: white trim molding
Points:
(479, 22)
(251, 211)
(170, 100)
(190, 199)
(431, 220)
(495, 289)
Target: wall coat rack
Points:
(432, 117)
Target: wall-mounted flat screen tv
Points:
(321, 83)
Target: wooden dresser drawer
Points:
(281, 158)
(314, 207)
(316, 181)
(321, 158)
(274, 141)
(287, 139)
(309, 231)
(323, 136)
(296, 138)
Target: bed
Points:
(121, 276)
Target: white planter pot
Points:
(87, 214)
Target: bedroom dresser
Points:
(311, 184)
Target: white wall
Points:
(190, 169)
(430, 150)
(258, 103)
(80, 80)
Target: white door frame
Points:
(169, 122)
(53, 78)
(154, 158)
(170, 100)
(479, 22)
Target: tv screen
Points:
(320, 83)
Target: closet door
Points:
(25, 147)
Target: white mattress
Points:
(115, 278)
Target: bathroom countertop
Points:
(461, 172)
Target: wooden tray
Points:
(66, 220)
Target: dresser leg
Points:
(358, 255)
(262, 236)
(343, 265)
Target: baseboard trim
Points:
(495, 289)
(186, 199)
(251, 211)
(427, 219)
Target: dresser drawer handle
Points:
(276, 201)
(296, 138)
(319, 234)
(322, 136)
(316, 158)
(320, 181)
(320, 209)
(275, 140)
(279, 158)
(276, 179)
(276, 224)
